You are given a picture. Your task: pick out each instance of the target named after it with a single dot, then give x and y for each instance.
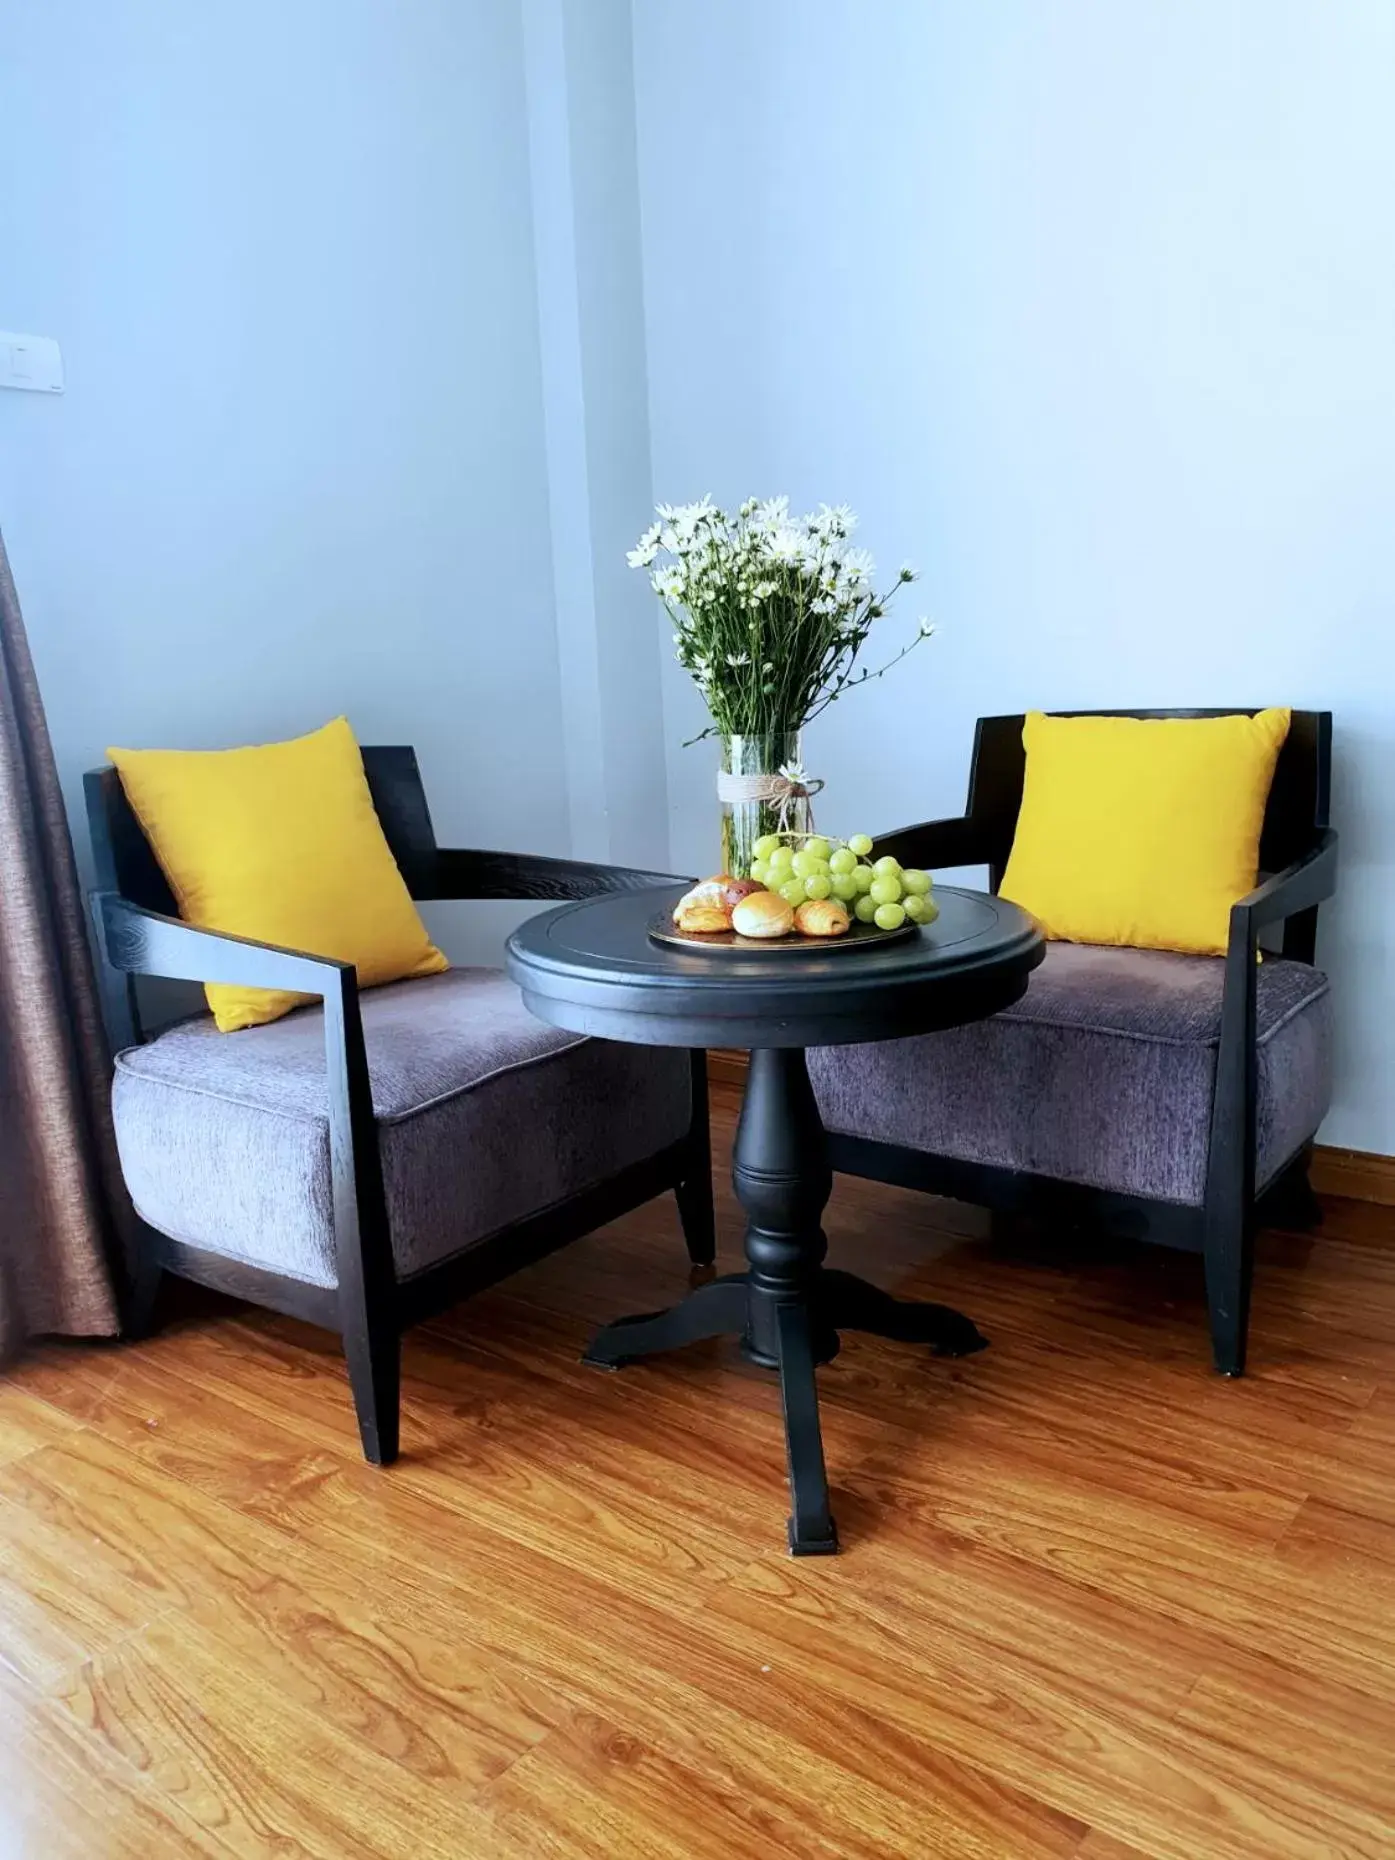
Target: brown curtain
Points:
(63, 1211)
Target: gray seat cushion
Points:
(485, 1116)
(1102, 1074)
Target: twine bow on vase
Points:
(789, 791)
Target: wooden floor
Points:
(1093, 1602)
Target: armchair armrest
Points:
(1299, 887)
(136, 941)
(468, 873)
(934, 843)
(1292, 893)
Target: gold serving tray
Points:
(662, 929)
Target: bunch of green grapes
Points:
(879, 892)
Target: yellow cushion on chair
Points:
(280, 843)
(1142, 831)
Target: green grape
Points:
(889, 916)
(860, 844)
(919, 909)
(760, 871)
(781, 860)
(807, 863)
(844, 887)
(766, 845)
(792, 891)
(887, 867)
(863, 877)
(818, 846)
(817, 885)
(865, 910)
(844, 860)
(915, 883)
(885, 890)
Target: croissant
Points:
(701, 919)
(822, 917)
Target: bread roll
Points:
(763, 914)
(822, 917)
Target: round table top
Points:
(593, 968)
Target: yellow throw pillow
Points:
(280, 843)
(1142, 831)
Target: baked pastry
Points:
(763, 914)
(699, 897)
(701, 919)
(735, 889)
(822, 917)
(724, 891)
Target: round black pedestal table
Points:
(593, 968)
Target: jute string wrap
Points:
(776, 791)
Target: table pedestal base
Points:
(788, 1307)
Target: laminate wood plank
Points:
(26, 1423)
(62, 1597)
(1376, 1422)
(1304, 1738)
(596, 1792)
(1328, 1537)
(62, 1797)
(1097, 1846)
(260, 1770)
(169, 1421)
(1196, 1575)
(1126, 1441)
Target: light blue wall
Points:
(1089, 309)
(299, 467)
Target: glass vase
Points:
(753, 764)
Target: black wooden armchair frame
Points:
(140, 934)
(1298, 851)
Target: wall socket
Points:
(31, 362)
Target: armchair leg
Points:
(694, 1192)
(375, 1375)
(1229, 1254)
(1290, 1203)
(694, 1197)
(138, 1313)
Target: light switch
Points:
(31, 362)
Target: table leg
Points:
(782, 1178)
(716, 1309)
(787, 1307)
(811, 1529)
(851, 1303)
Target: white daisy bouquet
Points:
(770, 611)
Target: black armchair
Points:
(364, 1180)
(1160, 1095)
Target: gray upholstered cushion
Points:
(1102, 1074)
(485, 1116)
